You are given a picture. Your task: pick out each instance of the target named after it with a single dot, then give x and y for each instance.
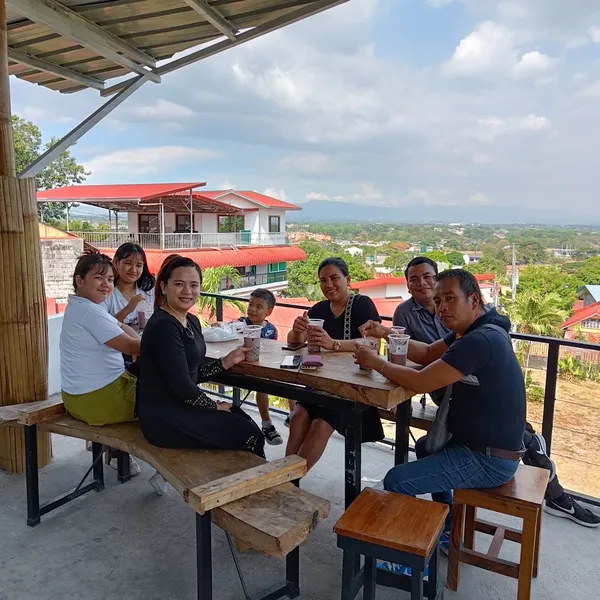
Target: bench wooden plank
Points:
(9, 415)
(37, 412)
(239, 485)
(421, 418)
(273, 521)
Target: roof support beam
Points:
(68, 23)
(55, 151)
(283, 21)
(54, 69)
(214, 17)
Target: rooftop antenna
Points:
(514, 274)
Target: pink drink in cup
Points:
(143, 315)
(314, 324)
(398, 348)
(370, 343)
(252, 341)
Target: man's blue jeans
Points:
(454, 467)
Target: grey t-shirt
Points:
(420, 324)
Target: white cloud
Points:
(276, 193)
(478, 200)
(320, 196)
(491, 128)
(534, 63)
(306, 163)
(162, 110)
(146, 161)
(439, 3)
(594, 33)
(227, 185)
(369, 193)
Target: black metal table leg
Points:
(204, 556)
(348, 575)
(237, 396)
(353, 456)
(292, 573)
(432, 580)
(31, 476)
(97, 450)
(123, 467)
(402, 432)
(370, 581)
(416, 585)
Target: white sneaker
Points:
(134, 468)
(158, 482)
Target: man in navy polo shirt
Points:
(487, 410)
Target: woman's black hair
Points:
(91, 262)
(165, 274)
(335, 261)
(146, 281)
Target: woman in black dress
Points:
(173, 411)
(343, 313)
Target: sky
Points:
(467, 103)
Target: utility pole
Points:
(514, 274)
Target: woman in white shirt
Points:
(96, 388)
(134, 286)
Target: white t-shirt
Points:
(116, 302)
(86, 362)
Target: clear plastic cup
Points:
(313, 324)
(252, 341)
(394, 330)
(143, 315)
(238, 326)
(370, 343)
(398, 348)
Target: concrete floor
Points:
(126, 542)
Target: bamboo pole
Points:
(23, 320)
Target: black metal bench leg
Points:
(353, 456)
(402, 432)
(204, 556)
(432, 580)
(416, 585)
(97, 450)
(31, 476)
(370, 580)
(292, 573)
(348, 575)
(123, 467)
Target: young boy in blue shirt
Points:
(261, 305)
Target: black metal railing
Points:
(252, 280)
(552, 369)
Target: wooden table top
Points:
(338, 376)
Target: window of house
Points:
(148, 223)
(591, 324)
(274, 224)
(231, 223)
(276, 267)
(182, 223)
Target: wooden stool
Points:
(399, 529)
(521, 497)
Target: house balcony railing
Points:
(574, 440)
(254, 280)
(182, 241)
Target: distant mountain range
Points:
(319, 210)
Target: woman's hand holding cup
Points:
(374, 329)
(235, 357)
(301, 324)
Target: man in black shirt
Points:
(487, 412)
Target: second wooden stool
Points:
(395, 528)
(521, 497)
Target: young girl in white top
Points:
(134, 286)
(96, 388)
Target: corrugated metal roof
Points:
(592, 310)
(127, 191)
(255, 197)
(259, 255)
(138, 32)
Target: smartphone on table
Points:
(291, 362)
(293, 346)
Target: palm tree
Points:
(537, 314)
(211, 283)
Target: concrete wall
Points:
(59, 257)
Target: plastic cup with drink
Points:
(394, 330)
(252, 341)
(398, 348)
(143, 314)
(371, 343)
(312, 325)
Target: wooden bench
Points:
(421, 416)
(246, 496)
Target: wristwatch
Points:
(337, 345)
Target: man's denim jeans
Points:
(454, 467)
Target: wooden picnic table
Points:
(339, 384)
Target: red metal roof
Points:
(587, 312)
(259, 255)
(369, 283)
(260, 199)
(133, 191)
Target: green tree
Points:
(589, 271)
(211, 283)
(63, 171)
(437, 256)
(455, 259)
(542, 280)
(303, 277)
(397, 260)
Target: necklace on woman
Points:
(334, 309)
(181, 317)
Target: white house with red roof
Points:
(243, 229)
(584, 322)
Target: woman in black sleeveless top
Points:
(343, 313)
